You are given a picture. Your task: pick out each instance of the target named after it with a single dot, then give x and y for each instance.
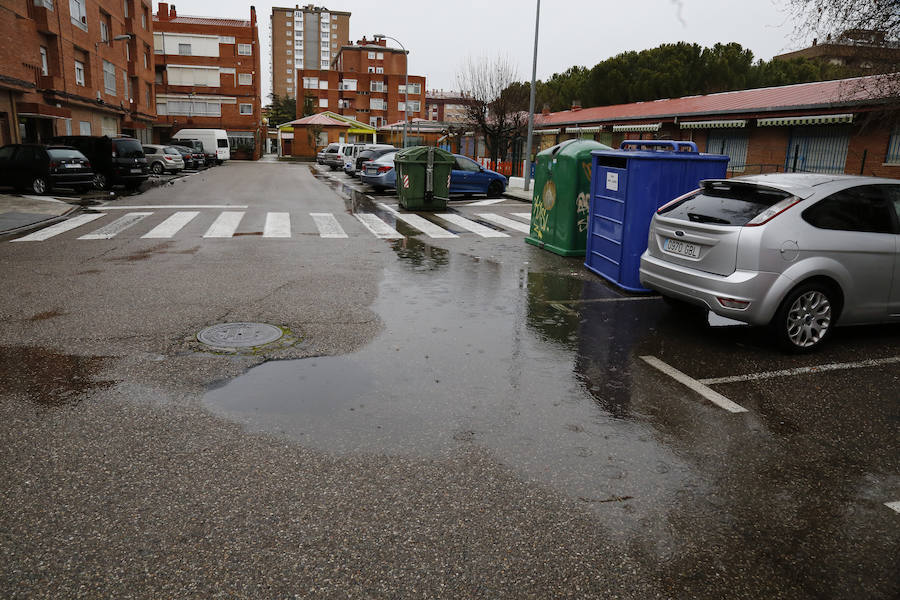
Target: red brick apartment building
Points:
(366, 82)
(208, 77)
(75, 67)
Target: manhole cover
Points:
(239, 335)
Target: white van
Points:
(215, 141)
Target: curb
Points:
(42, 223)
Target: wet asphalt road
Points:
(464, 418)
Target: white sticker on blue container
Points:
(612, 181)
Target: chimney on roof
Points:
(576, 104)
(545, 110)
(172, 13)
(252, 16)
(162, 11)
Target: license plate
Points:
(72, 166)
(135, 170)
(688, 249)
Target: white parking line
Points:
(278, 225)
(893, 505)
(420, 223)
(711, 395)
(328, 225)
(49, 232)
(172, 225)
(873, 362)
(179, 206)
(504, 222)
(116, 227)
(378, 227)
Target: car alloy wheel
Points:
(157, 168)
(39, 185)
(805, 318)
(100, 181)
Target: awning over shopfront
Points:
(546, 131)
(583, 129)
(635, 128)
(723, 124)
(808, 120)
(33, 109)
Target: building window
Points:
(78, 13)
(246, 109)
(334, 25)
(127, 53)
(245, 79)
(731, 142)
(144, 17)
(289, 42)
(380, 56)
(379, 70)
(289, 70)
(148, 95)
(818, 150)
(414, 88)
(184, 49)
(323, 84)
(84, 127)
(44, 68)
(79, 72)
(126, 10)
(246, 49)
(371, 69)
(290, 90)
(226, 39)
(376, 104)
(893, 151)
(344, 103)
(104, 27)
(109, 78)
(371, 56)
(325, 45)
(323, 102)
(288, 52)
(376, 86)
(374, 121)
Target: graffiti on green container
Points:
(582, 208)
(540, 210)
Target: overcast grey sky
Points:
(439, 35)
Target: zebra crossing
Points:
(227, 223)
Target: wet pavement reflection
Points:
(46, 377)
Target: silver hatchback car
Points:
(797, 252)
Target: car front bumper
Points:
(762, 290)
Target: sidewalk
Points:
(515, 189)
(24, 212)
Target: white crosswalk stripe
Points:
(278, 225)
(472, 226)
(504, 222)
(53, 230)
(328, 225)
(526, 216)
(172, 225)
(486, 202)
(116, 227)
(379, 228)
(225, 225)
(420, 223)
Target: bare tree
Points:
(490, 110)
(871, 26)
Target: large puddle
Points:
(533, 365)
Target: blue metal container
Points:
(627, 187)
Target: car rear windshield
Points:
(64, 153)
(129, 148)
(172, 150)
(725, 204)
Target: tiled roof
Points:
(817, 95)
(186, 20)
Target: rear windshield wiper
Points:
(698, 218)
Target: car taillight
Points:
(54, 164)
(384, 169)
(168, 158)
(86, 164)
(772, 212)
(662, 208)
(733, 303)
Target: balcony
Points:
(50, 82)
(45, 18)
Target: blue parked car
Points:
(468, 177)
(380, 173)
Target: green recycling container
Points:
(423, 177)
(562, 197)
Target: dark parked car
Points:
(209, 158)
(371, 154)
(41, 168)
(196, 148)
(187, 155)
(116, 160)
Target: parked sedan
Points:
(371, 154)
(163, 159)
(468, 177)
(380, 173)
(187, 155)
(799, 253)
(39, 169)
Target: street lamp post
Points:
(527, 174)
(379, 36)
